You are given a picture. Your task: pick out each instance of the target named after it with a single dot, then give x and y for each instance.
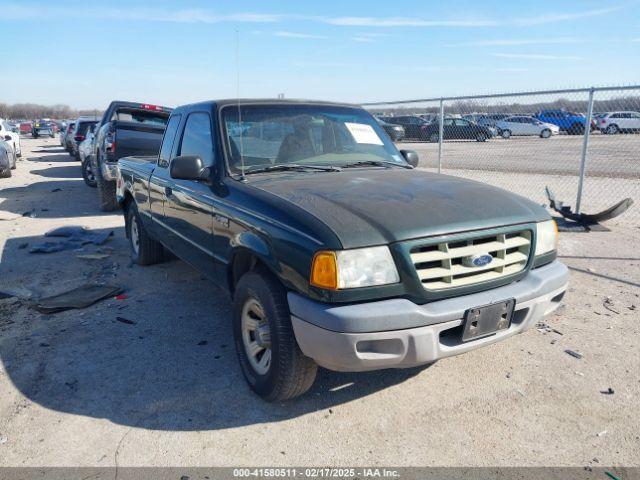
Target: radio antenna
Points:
(242, 177)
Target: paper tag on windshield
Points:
(363, 133)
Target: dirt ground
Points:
(81, 388)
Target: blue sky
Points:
(86, 53)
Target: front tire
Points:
(481, 137)
(546, 133)
(434, 138)
(144, 249)
(612, 129)
(271, 360)
(506, 134)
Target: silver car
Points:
(7, 159)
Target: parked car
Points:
(8, 134)
(524, 125)
(66, 136)
(337, 252)
(395, 132)
(474, 117)
(84, 151)
(7, 159)
(491, 119)
(412, 125)
(43, 127)
(619, 122)
(26, 127)
(126, 128)
(457, 129)
(570, 122)
(77, 136)
(429, 117)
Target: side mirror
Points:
(188, 167)
(411, 157)
(8, 138)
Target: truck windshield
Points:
(320, 135)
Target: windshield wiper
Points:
(292, 166)
(375, 163)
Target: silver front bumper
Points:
(341, 338)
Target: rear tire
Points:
(87, 173)
(506, 134)
(434, 138)
(576, 129)
(144, 249)
(481, 137)
(106, 190)
(271, 360)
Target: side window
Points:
(462, 123)
(447, 122)
(196, 138)
(167, 141)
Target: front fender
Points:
(260, 248)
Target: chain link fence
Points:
(584, 144)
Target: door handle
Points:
(168, 191)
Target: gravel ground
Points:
(80, 388)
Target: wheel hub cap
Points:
(256, 336)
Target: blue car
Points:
(570, 122)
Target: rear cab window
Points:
(141, 116)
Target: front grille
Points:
(447, 264)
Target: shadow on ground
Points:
(67, 171)
(174, 368)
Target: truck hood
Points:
(377, 206)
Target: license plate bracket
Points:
(487, 319)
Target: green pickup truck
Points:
(336, 250)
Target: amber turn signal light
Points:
(324, 270)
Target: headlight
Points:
(546, 237)
(363, 267)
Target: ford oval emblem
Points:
(478, 260)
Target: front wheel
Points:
(506, 134)
(481, 137)
(434, 138)
(271, 361)
(546, 133)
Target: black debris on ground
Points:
(125, 320)
(74, 238)
(80, 297)
(573, 354)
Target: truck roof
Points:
(264, 101)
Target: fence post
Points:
(585, 147)
(440, 135)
